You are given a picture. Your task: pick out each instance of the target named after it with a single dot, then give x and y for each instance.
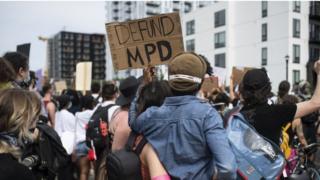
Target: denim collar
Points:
(179, 100)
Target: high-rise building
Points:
(66, 49)
(129, 10)
(314, 39)
(253, 34)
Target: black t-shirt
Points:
(268, 120)
(11, 169)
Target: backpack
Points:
(97, 135)
(256, 156)
(285, 147)
(125, 163)
(49, 152)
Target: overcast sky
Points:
(23, 22)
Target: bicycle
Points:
(303, 168)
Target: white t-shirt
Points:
(65, 121)
(110, 111)
(82, 119)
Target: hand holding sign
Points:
(149, 41)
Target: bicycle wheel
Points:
(314, 174)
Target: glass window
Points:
(190, 45)
(314, 32)
(264, 56)
(220, 60)
(296, 53)
(264, 32)
(296, 76)
(314, 53)
(220, 18)
(190, 27)
(264, 5)
(220, 40)
(296, 28)
(296, 6)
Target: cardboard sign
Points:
(221, 73)
(60, 86)
(138, 43)
(238, 73)
(210, 83)
(83, 76)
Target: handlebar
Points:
(311, 148)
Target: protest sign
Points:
(238, 73)
(24, 49)
(210, 83)
(83, 76)
(60, 86)
(221, 73)
(148, 41)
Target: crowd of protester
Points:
(43, 135)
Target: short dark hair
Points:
(46, 88)
(17, 61)
(108, 91)
(283, 89)
(257, 96)
(64, 101)
(290, 99)
(153, 94)
(95, 87)
(87, 102)
(209, 67)
(6, 71)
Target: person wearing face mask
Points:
(16, 118)
(20, 64)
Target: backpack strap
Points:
(286, 127)
(106, 109)
(130, 143)
(140, 146)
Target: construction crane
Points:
(44, 39)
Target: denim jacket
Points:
(189, 138)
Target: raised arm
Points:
(307, 107)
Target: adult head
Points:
(47, 89)
(109, 91)
(7, 73)
(95, 88)
(20, 64)
(87, 102)
(64, 102)
(74, 96)
(290, 99)
(128, 88)
(186, 73)
(153, 94)
(255, 87)
(283, 88)
(16, 118)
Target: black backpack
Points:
(125, 163)
(47, 156)
(97, 129)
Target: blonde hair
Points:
(16, 116)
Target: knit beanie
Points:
(186, 72)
